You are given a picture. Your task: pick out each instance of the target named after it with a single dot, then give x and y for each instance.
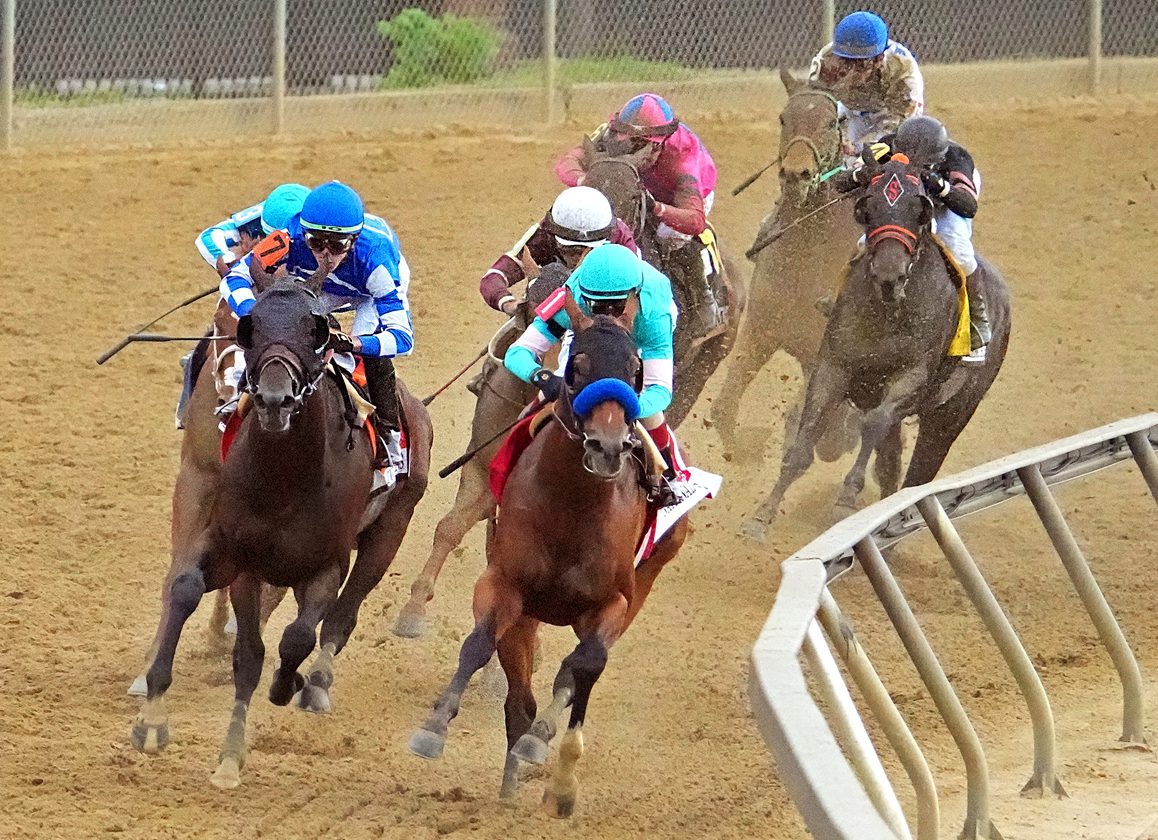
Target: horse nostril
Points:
(287, 401)
(259, 398)
(626, 446)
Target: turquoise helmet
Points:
(609, 272)
(333, 208)
(281, 205)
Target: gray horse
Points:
(795, 271)
(885, 347)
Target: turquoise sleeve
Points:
(655, 398)
(520, 360)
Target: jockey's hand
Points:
(510, 307)
(549, 383)
(341, 343)
(934, 184)
(245, 243)
(225, 264)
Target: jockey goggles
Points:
(336, 243)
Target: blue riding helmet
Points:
(281, 205)
(609, 272)
(860, 35)
(334, 208)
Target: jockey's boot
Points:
(383, 391)
(980, 331)
(659, 486)
(689, 259)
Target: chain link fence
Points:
(147, 70)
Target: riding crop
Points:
(462, 459)
(768, 240)
(138, 335)
(453, 379)
(751, 179)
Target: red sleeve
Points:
(686, 212)
(496, 283)
(623, 236)
(569, 169)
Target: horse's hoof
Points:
(313, 698)
(230, 628)
(283, 688)
(530, 749)
(149, 738)
(755, 530)
(427, 744)
(510, 784)
(411, 623)
(140, 687)
(227, 776)
(559, 806)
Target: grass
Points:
(576, 71)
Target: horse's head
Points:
(894, 213)
(618, 177)
(284, 337)
(810, 136)
(604, 375)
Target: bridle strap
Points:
(808, 142)
(901, 234)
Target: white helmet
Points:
(581, 216)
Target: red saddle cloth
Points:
(505, 459)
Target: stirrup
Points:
(976, 357)
(659, 492)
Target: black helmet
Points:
(923, 139)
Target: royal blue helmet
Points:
(281, 205)
(860, 35)
(334, 208)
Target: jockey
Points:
(602, 283)
(875, 79)
(679, 174)
(580, 219)
(366, 270)
(228, 241)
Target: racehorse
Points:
(500, 396)
(697, 354)
(796, 270)
(562, 552)
(886, 346)
(292, 500)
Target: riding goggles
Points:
(336, 243)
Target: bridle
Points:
(909, 239)
(823, 163)
(301, 388)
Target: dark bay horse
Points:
(885, 347)
(697, 354)
(500, 397)
(292, 501)
(562, 552)
(796, 271)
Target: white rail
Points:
(827, 790)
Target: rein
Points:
(823, 163)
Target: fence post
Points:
(1095, 46)
(827, 20)
(279, 38)
(550, 7)
(8, 71)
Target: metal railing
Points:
(839, 799)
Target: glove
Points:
(934, 184)
(340, 342)
(549, 383)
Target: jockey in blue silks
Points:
(602, 284)
(366, 270)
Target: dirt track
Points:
(103, 241)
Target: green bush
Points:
(430, 51)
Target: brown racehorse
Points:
(796, 271)
(562, 552)
(291, 502)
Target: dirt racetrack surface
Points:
(102, 241)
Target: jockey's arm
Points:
(395, 333)
(624, 236)
(237, 287)
(507, 270)
(569, 169)
(658, 366)
(686, 212)
(221, 239)
(958, 175)
(524, 357)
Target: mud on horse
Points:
(886, 347)
(562, 552)
(696, 355)
(292, 500)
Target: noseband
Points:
(301, 389)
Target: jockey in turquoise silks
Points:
(602, 284)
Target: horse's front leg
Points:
(517, 656)
(248, 653)
(826, 388)
(585, 664)
(876, 426)
(497, 606)
(315, 599)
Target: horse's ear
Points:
(790, 82)
(579, 321)
(926, 211)
(860, 210)
(627, 319)
(245, 332)
(589, 152)
(321, 332)
(261, 278)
